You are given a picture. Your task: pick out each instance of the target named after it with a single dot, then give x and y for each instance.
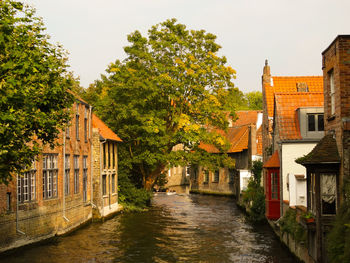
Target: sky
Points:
(291, 34)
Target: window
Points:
(77, 122)
(27, 185)
(332, 91)
(67, 131)
(85, 124)
(206, 176)
(50, 172)
(216, 176)
(274, 185)
(113, 183)
(76, 174)
(66, 174)
(104, 184)
(315, 122)
(113, 156)
(302, 87)
(109, 155)
(328, 194)
(8, 201)
(104, 155)
(231, 174)
(195, 173)
(188, 170)
(85, 178)
(312, 193)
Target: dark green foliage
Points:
(33, 88)
(131, 197)
(254, 197)
(338, 240)
(290, 225)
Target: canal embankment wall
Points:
(298, 249)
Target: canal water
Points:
(177, 228)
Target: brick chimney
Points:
(266, 77)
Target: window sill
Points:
(105, 196)
(114, 194)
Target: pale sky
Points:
(291, 34)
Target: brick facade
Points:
(42, 203)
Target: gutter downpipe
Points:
(64, 178)
(101, 185)
(17, 229)
(91, 161)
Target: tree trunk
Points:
(152, 177)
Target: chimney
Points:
(266, 77)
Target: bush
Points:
(131, 197)
(338, 239)
(254, 197)
(290, 225)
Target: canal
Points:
(177, 228)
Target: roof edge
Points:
(335, 40)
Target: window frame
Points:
(76, 174)
(50, 176)
(316, 122)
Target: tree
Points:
(34, 98)
(168, 91)
(254, 100)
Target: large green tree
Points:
(167, 92)
(33, 88)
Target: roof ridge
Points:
(312, 76)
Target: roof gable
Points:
(238, 138)
(105, 132)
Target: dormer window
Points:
(302, 87)
(315, 122)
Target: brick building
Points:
(328, 163)
(105, 168)
(242, 135)
(56, 195)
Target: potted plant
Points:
(309, 217)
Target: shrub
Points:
(338, 240)
(131, 197)
(290, 225)
(254, 197)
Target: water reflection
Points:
(178, 228)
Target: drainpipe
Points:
(17, 228)
(91, 160)
(101, 163)
(64, 178)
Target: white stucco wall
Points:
(296, 194)
(244, 176)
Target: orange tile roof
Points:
(246, 117)
(259, 141)
(286, 117)
(273, 162)
(104, 130)
(237, 136)
(289, 84)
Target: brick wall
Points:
(44, 217)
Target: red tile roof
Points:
(237, 136)
(286, 117)
(273, 162)
(289, 84)
(246, 117)
(104, 130)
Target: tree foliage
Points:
(168, 91)
(33, 85)
(254, 100)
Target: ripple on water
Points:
(177, 228)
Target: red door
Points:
(273, 193)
